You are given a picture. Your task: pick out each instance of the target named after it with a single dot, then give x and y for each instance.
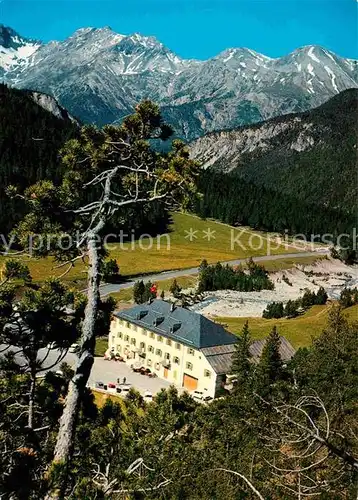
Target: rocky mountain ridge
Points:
(100, 75)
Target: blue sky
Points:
(197, 28)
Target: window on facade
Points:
(150, 348)
(142, 345)
(177, 346)
(191, 351)
(158, 352)
(151, 335)
(133, 341)
(120, 335)
(126, 338)
(176, 360)
(119, 348)
(189, 366)
(128, 325)
(149, 362)
(144, 332)
(167, 356)
(207, 373)
(113, 338)
(160, 338)
(135, 328)
(169, 342)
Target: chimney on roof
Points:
(172, 307)
(150, 300)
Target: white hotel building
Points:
(178, 345)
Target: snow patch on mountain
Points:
(11, 58)
(333, 78)
(310, 69)
(312, 55)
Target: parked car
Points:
(124, 388)
(74, 348)
(198, 395)
(148, 396)
(51, 345)
(111, 386)
(99, 385)
(207, 399)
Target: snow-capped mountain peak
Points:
(100, 75)
(15, 50)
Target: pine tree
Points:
(138, 292)
(241, 364)
(175, 289)
(291, 309)
(346, 298)
(321, 296)
(270, 367)
(110, 271)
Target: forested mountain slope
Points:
(30, 138)
(33, 129)
(311, 156)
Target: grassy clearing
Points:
(176, 251)
(100, 398)
(101, 346)
(42, 269)
(289, 263)
(299, 331)
(172, 251)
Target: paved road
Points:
(112, 288)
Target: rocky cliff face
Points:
(50, 104)
(224, 149)
(310, 155)
(100, 75)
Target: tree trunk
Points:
(66, 434)
(30, 419)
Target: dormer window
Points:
(142, 314)
(157, 321)
(175, 327)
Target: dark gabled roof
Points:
(180, 325)
(286, 350)
(220, 357)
